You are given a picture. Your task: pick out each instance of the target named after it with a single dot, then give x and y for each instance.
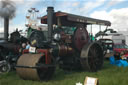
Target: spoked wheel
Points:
(92, 57)
(36, 38)
(32, 67)
(5, 67)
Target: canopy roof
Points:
(68, 19)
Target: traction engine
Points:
(66, 43)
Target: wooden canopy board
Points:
(67, 19)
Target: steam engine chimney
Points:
(6, 26)
(50, 12)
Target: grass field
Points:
(108, 75)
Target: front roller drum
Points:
(29, 70)
(92, 57)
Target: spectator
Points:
(28, 45)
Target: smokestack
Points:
(7, 11)
(6, 26)
(50, 12)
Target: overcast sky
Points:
(116, 11)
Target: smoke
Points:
(7, 9)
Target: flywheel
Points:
(32, 67)
(92, 57)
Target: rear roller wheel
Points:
(32, 69)
(92, 57)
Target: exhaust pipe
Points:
(6, 26)
(50, 13)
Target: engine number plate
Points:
(32, 49)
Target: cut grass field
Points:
(108, 75)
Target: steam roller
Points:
(66, 42)
(33, 68)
